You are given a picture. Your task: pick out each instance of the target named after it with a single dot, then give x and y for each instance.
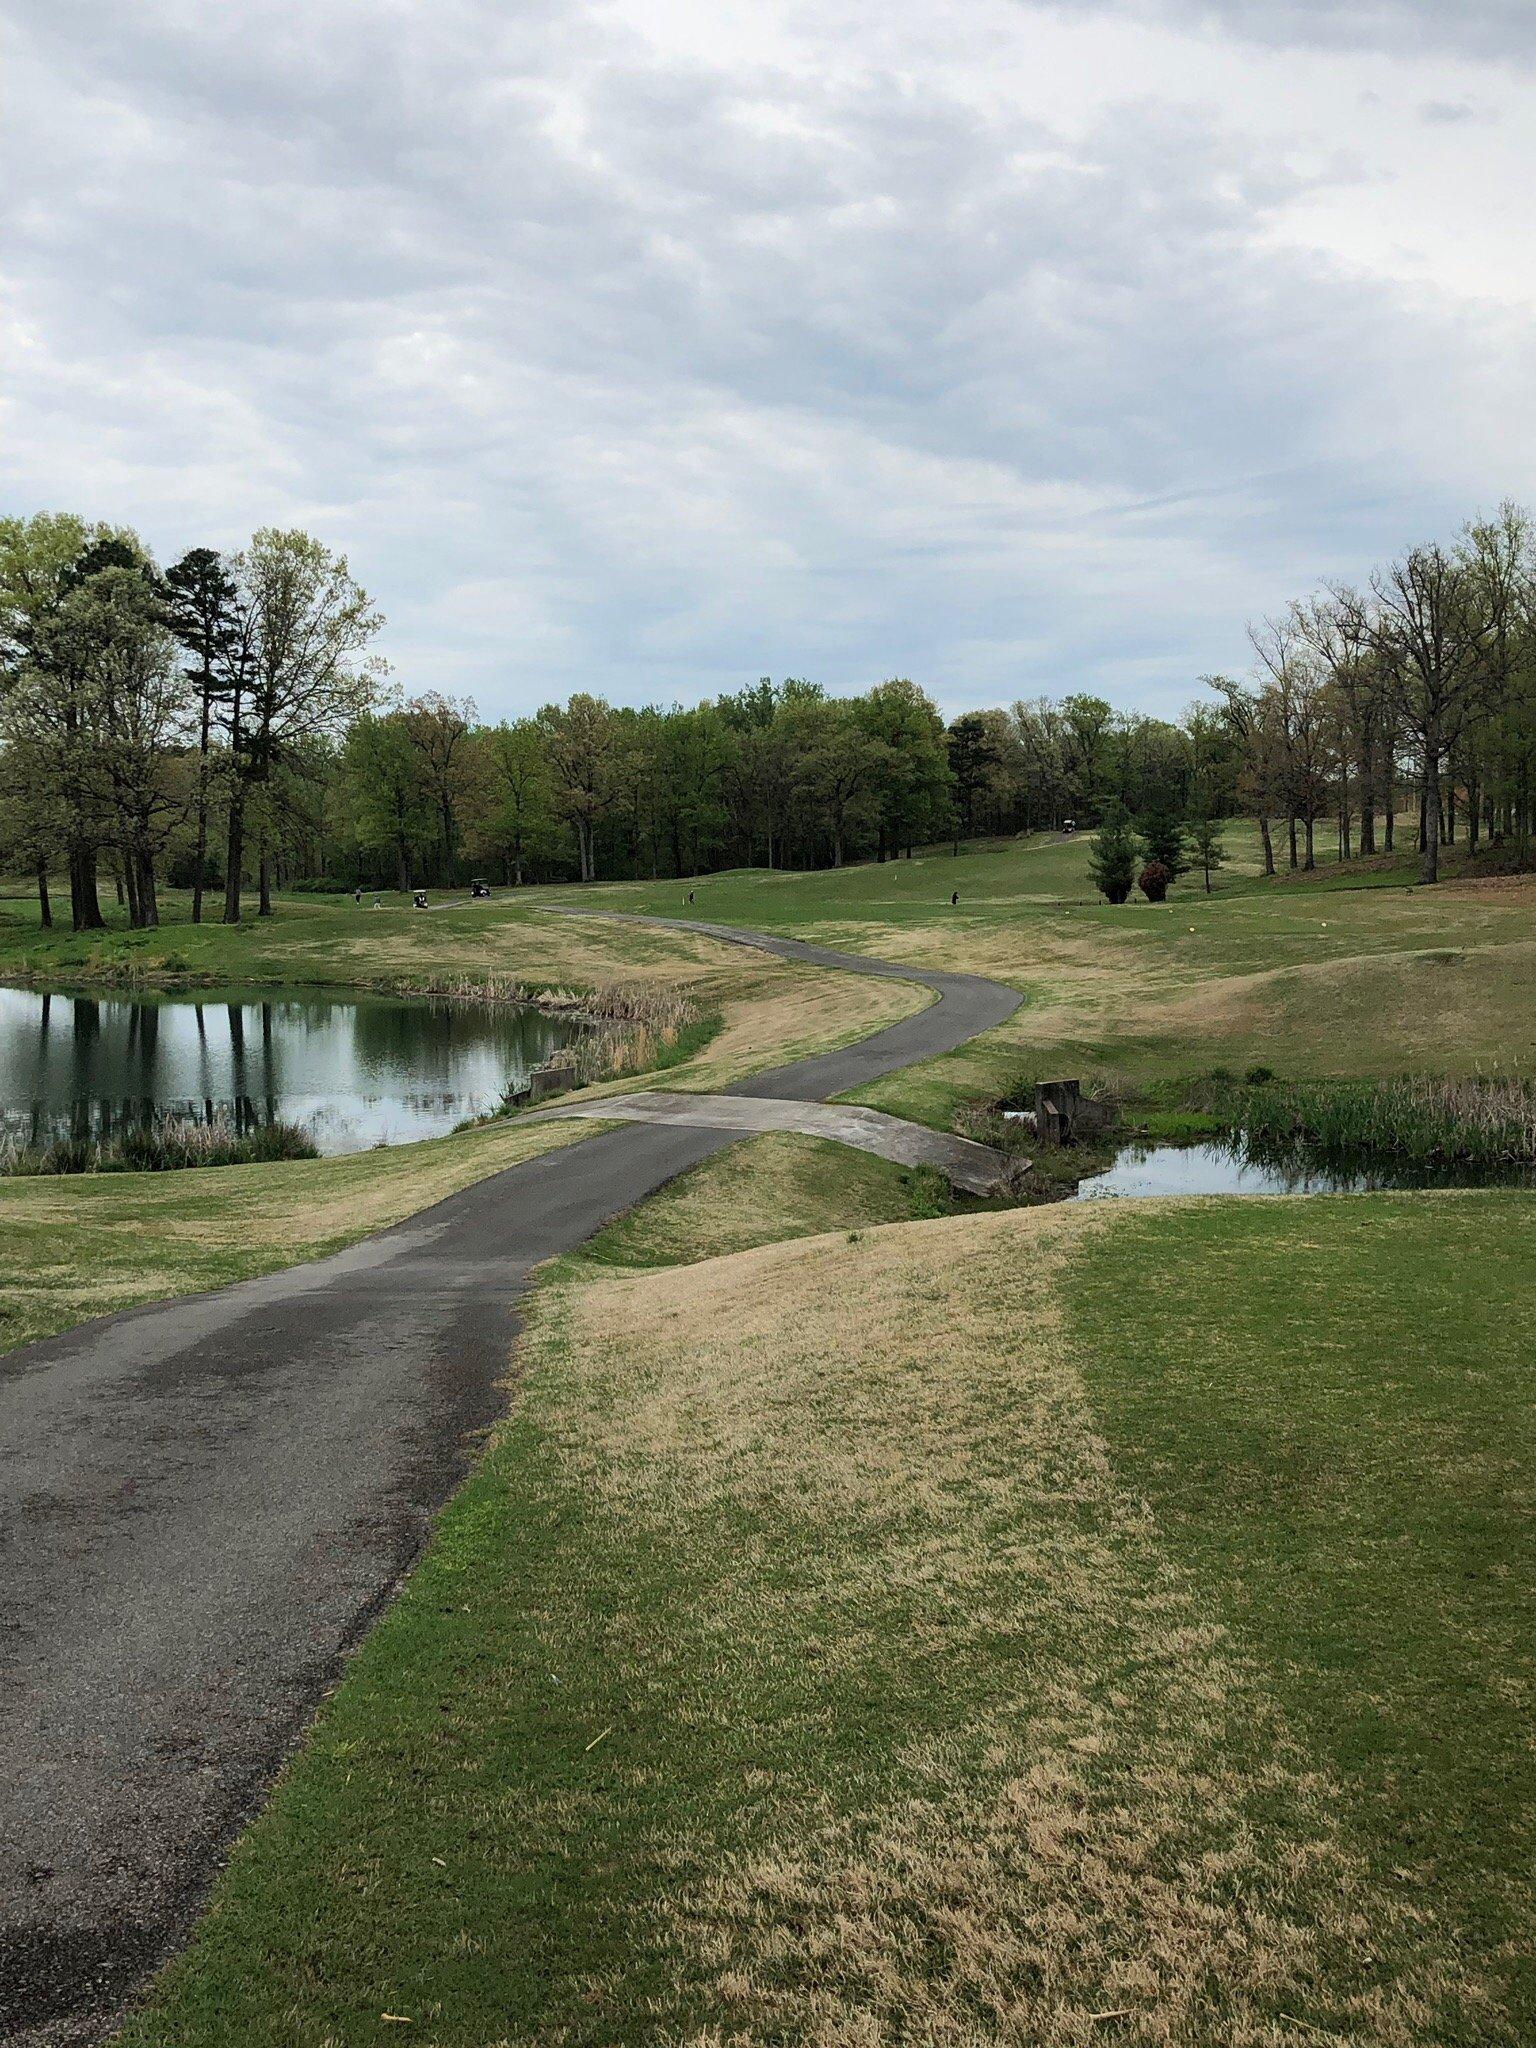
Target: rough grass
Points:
(1328, 1406)
(958, 1633)
(76, 1247)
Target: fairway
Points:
(882, 1620)
(874, 1639)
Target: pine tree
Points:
(1163, 838)
(1207, 846)
(1112, 864)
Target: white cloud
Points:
(1029, 348)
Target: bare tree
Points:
(1428, 625)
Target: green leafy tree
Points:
(974, 758)
(43, 709)
(1112, 863)
(912, 776)
(391, 803)
(513, 814)
(297, 671)
(581, 740)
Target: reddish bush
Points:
(1153, 881)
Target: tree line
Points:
(1421, 685)
(225, 724)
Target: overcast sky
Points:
(651, 347)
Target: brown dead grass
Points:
(1099, 1819)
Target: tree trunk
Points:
(1290, 826)
(234, 859)
(149, 902)
(263, 878)
(202, 806)
(1269, 844)
(44, 907)
(84, 903)
(1311, 861)
(128, 877)
(1429, 812)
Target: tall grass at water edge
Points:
(164, 1144)
(1424, 1120)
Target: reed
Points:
(166, 1144)
(659, 1008)
(1421, 1119)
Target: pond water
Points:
(355, 1071)
(1217, 1168)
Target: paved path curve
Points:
(204, 1503)
(978, 1169)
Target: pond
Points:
(354, 1070)
(1220, 1168)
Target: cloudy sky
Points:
(653, 346)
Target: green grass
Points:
(948, 1633)
(1329, 1408)
(762, 1191)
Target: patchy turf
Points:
(1047, 1627)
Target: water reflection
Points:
(1220, 1168)
(357, 1072)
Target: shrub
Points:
(1153, 881)
(1257, 1076)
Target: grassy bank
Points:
(1354, 972)
(72, 1247)
(1054, 1627)
(756, 1010)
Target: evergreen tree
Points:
(1206, 846)
(1112, 864)
(1163, 840)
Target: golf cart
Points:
(418, 899)
(479, 886)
